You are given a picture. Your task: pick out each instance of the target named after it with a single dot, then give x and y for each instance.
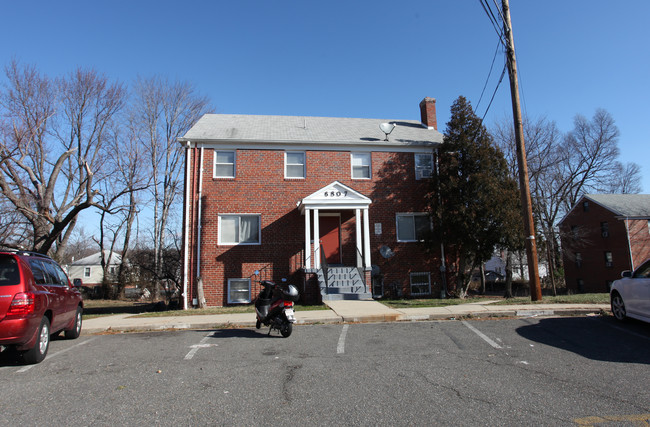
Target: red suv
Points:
(36, 300)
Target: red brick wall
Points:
(591, 243)
(639, 232)
(260, 188)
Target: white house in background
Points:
(89, 269)
(518, 264)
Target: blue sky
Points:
(374, 59)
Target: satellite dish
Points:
(387, 128)
(386, 252)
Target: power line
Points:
(495, 22)
(487, 80)
(503, 73)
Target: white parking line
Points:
(51, 355)
(196, 347)
(481, 334)
(340, 348)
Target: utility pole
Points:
(524, 187)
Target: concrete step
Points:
(364, 296)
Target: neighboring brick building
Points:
(603, 235)
(259, 188)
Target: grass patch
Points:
(424, 302)
(600, 298)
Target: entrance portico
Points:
(330, 199)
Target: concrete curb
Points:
(339, 313)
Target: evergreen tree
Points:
(473, 199)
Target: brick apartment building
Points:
(334, 205)
(603, 235)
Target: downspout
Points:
(186, 243)
(629, 244)
(200, 295)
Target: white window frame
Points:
(234, 164)
(87, 271)
(287, 164)
(364, 157)
(428, 283)
(239, 301)
(221, 241)
(419, 174)
(411, 215)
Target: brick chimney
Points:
(428, 113)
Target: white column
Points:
(316, 240)
(366, 237)
(307, 239)
(359, 236)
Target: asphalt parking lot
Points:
(542, 371)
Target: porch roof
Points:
(334, 196)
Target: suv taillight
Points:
(22, 305)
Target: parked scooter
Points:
(274, 307)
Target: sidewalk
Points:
(339, 312)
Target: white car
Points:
(630, 295)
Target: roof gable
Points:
(334, 196)
(623, 206)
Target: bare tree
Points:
(562, 168)
(542, 151)
(626, 179)
(163, 111)
(51, 147)
(120, 198)
(590, 154)
(80, 245)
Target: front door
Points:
(330, 237)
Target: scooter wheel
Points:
(286, 329)
(258, 324)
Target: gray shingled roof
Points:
(624, 205)
(96, 259)
(300, 129)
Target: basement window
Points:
(239, 291)
(420, 284)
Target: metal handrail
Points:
(325, 267)
(362, 269)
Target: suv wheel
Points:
(76, 328)
(37, 353)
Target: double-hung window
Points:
(413, 227)
(423, 165)
(360, 165)
(239, 229)
(224, 164)
(294, 164)
(609, 259)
